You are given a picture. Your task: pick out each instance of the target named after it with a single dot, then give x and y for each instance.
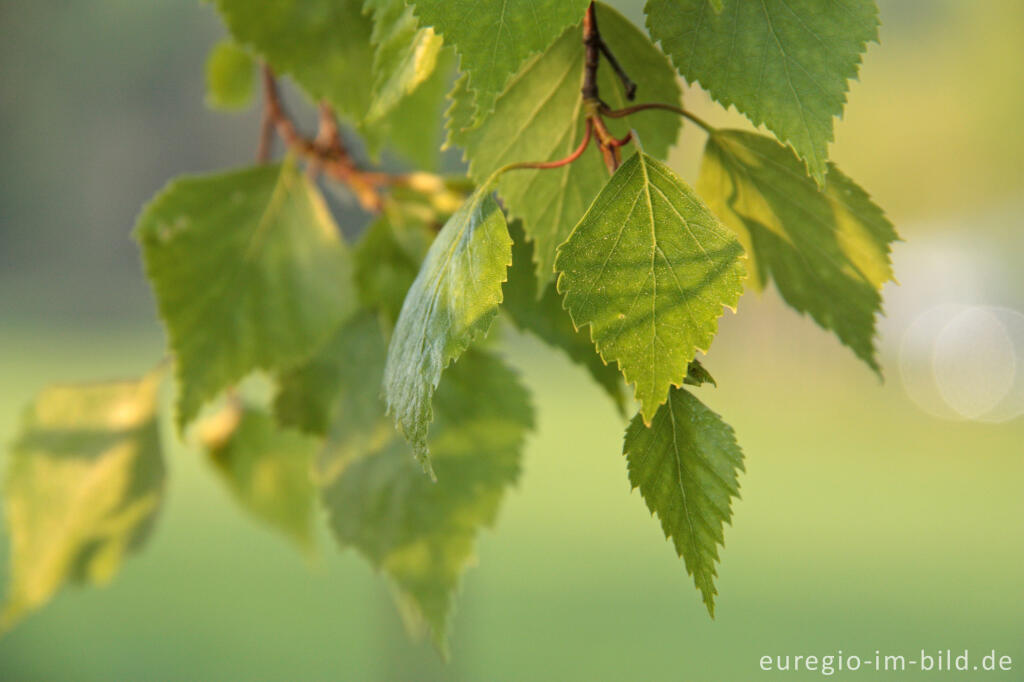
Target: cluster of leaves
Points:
(379, 349)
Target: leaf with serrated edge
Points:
(546, 318)
(783, 63)
(540, 117)
(650, 269)
(452, 301)
(268, 469)
(827, 250)
(249, 272)
(686, 465)
(422, 534)
(230, 76)
(323, 44)
(494, 37)
(84, 483)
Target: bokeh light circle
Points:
(965, 362)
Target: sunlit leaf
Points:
(649, 269)
(452, 301)
(405, 54)
(546, 318)
(84, 483)
(784, 63)
(249, 272)
(686, 465)
(230, 77)
(541, 118)
(827, 250)
(494, 37)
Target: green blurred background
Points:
(872, 517)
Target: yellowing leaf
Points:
(686, 466)
(827, 250)
(84, 483)
(650, 269)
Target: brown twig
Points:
(627, 111)
(576, 153)
(327, 152)
(266, 137)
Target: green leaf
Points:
(268, 469)
(696, 375)
(422, 534)
(84, 483)
(405, 56)
(413, 127)
(649, 268)
(686, 466)
(494, 37)
(541, 118)
(549, 322)
(249, 272)
(387, 260)
(827, 250)
(352, 362)
(230, 74)
(323, 44)
(785, 64)
(452, 301)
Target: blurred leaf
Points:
(405, 54)
(828, 251)
(541, 118)
(696, 375)
(452, 301)
(784, 64)
(230, 77)
(550, 322)
(494, 37)
(686, 466)
(650, 269)
(249, 272)
(351, 363)
(421, 534)
(323, 44)
(412, 129)
(84, 483)
(267, 468)
(387, 259)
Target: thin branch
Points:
(627, 84)
(608, 143)
(543, 165)
(592, 45)
(628, 111)
(334, 161)
(266, 137)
